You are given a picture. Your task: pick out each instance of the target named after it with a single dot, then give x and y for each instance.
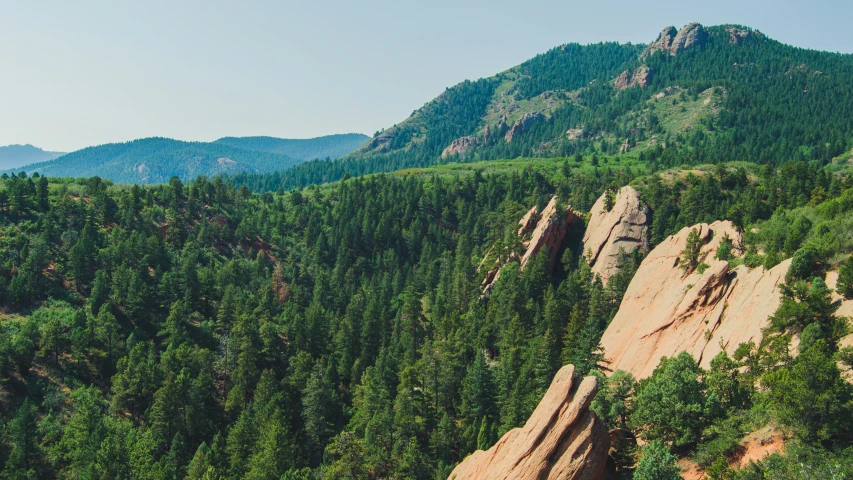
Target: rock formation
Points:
(460, 145)
(691, 35)
(663, 42)
(549, 232)
(667, 310)
(622, 228)
(562, 439)
(738, 35)
(549, 229)
(574, 133)
(639, 77)
(527, 222)
(523, 124)
(672, 42)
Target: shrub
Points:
(657, 464)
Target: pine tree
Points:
(25, 457)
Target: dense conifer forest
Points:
(328, 321)
(200, 330)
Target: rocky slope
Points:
(667, 310)
(624, 227)
(562, 439)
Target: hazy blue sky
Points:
(79, 73)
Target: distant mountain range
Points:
(14, 156)
(155, 160)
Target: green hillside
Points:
(732, 95)
(329, 146)
(155, 160)
(200, 331)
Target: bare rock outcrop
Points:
(622, 228)
(667, 310)
(548, 231)
(461, 146)
(738, 35)
(663, 42)
(639, 77)
(522, 124)
(691, 35)
(673, 42)
(527, 222)
(563, 439)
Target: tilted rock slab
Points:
(624, 227)
(666, 310)
(562, 439)
(549, 232)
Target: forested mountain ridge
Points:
(156, 160)
(692, 96)
(329, 146)
(13, 156)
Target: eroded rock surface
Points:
(624, 227)
(674, 42)
(562, 439)
(639, 77)
(523, 124)
(549, 232)
(461, 146)
(667, 310)
(549, 229)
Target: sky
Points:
(82, 73)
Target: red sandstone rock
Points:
(563, 439)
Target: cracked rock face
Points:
(562, 439)
(624, 227)
(674, 42)
(667, 310)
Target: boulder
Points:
(622, 228)
(562, 439)
(522, 124)
(667, 310)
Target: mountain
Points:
(329, 146)
(694, 95)
(14, 156)
(155, 160)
